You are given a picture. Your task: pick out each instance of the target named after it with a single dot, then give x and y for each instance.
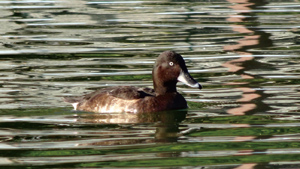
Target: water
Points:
(245, 54)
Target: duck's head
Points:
(170, 68)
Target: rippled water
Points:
(245, 54)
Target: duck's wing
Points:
(130, 92)
(121, 92)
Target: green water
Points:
(245, 54)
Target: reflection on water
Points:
(252, 100)
(244, 52)
(165, 123)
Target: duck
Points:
(168, 70)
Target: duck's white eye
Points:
(171, 63)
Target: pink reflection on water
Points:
(253, 38)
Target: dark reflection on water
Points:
(244, 52)
(165, 123)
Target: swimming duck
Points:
(169, 68)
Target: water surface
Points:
(244, 53)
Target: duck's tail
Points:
(74, 100)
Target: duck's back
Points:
(127, 99)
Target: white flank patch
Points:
(75, 105)
(115, 106)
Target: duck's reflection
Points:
(246, 23)
(165, 124)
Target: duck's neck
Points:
(162, 88)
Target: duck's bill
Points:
(187, 79)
